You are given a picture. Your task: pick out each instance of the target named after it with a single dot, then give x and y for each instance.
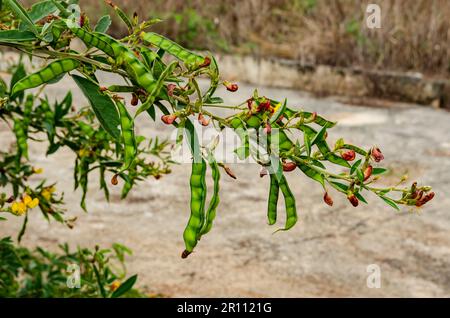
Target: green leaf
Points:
(317, 163)
(356, 149)
(376, 171)
(126, 286)
(339, 143)
(9, 36)
(307, 142)
(124, 17)
(390, 202)
(319, 136)
(278, 113)
(313, 174)
(319, 120)
(355, 166)
(16, 77)
(360, 175)
(103, 24)
(331, 157)
(41, 9)
(99, 281)
(339, 186)
(214, 100)
(103, 106)
(360, 197)
(152, 112)
(21, 14)
(323, 147)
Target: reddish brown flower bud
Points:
(229, 172)
(263, 172)
(368, 172)
(349, 155)
(289, 166)
(313, 116)
(429, 197)
(425, 199)
(202, 120)
(250, 103)
(103, 88)
(206, 62)
(114, 180)
(353, 199)
(376, 154)
(267, 129)
(168, 119)
(417, 195)
(171, 89)
(264, 106)
(82, 20)
(10, 199)
(232, 87)
(327, 199)
(134, 99)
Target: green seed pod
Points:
(47, 74)
(174, 49)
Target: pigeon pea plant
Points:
(162, 75)
(85, 272)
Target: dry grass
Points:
(415, 35)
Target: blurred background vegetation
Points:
(415, 35)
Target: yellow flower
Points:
(83, 152)
(38, 170)
(114, 285)
(34, 203)
(18, 208)
(47, 192)
(26, 199)
(277, 107)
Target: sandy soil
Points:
(326, 254)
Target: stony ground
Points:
(327, 254)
